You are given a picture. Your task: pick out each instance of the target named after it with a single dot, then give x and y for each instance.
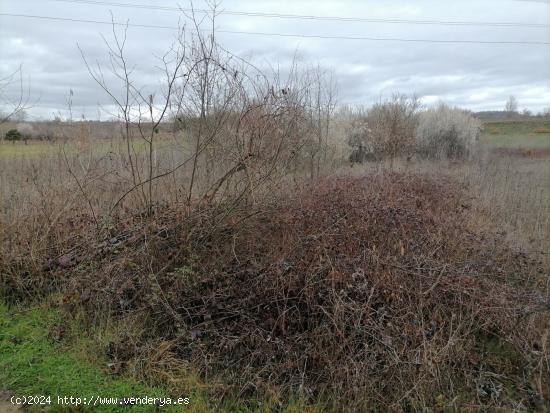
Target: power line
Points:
(148, 26)
(307, 36)
(311, 17)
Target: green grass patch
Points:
(38, 149)
(32, 363)
(31, 149)
(517, 134)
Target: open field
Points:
(40, 149)
(410, 285)
(514, 179)
(530, 134)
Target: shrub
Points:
(392, 125)
(448, 133)
(13, 135)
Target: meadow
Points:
(520, 134)
(512, 180)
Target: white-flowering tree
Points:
(446, 132)
(358, 135)
(26, 130)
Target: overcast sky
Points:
(474, 76)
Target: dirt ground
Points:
(5, 404)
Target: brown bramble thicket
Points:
(368, 292)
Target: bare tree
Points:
(139, 113)
(511, 106)
(14, 108)
(321, 95)
(240, 128)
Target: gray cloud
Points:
(477, 76)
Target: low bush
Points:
(13, 135)
(385, 131)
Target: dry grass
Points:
(512, 196)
